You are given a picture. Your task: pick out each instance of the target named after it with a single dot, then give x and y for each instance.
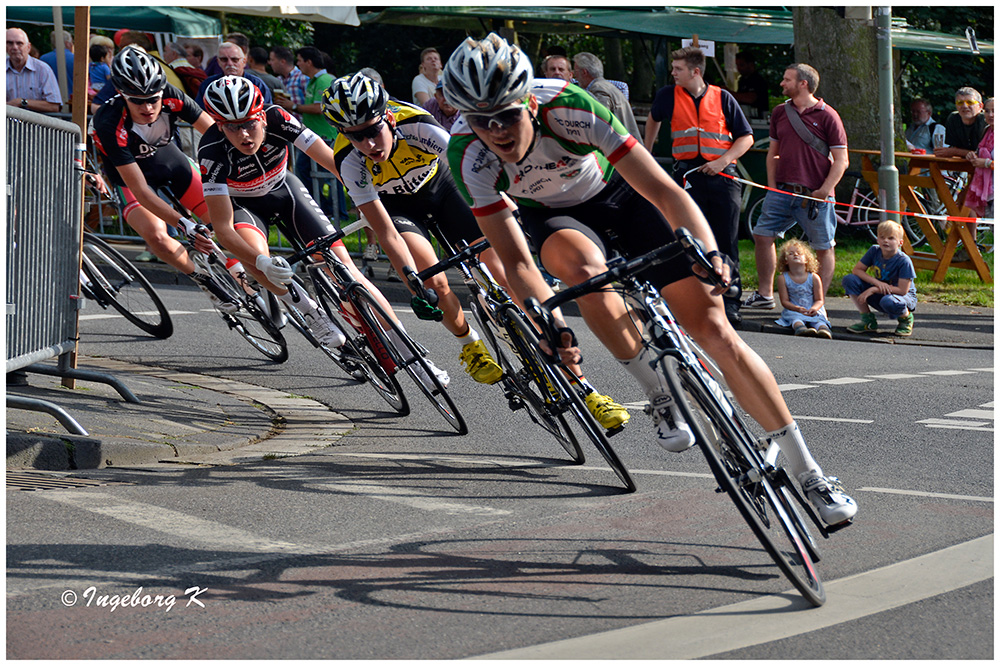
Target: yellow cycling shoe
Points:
(607, 412)
(480, 364)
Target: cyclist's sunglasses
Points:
(248, 125)
(369, 132)
(139, 101)
(503, 119)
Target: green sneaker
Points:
(905, 327)
(867, 323)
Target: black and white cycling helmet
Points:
(353, 100)
(135, 73)
(486, 75)
(232, 98)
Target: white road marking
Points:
(948, 373)
(958, 426)
(767, 619)
(839, 381)
(915, 493)
(974, 414)
(894, 376)
(795, 387)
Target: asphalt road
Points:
(408, 542)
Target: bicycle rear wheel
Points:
(255, 320)
(360, 354)
(523, 381)
(116, 282)
(564, 394)
(755, 490)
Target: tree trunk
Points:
(843, 51)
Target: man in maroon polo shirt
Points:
(809, 162)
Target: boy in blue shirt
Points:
(890, 289)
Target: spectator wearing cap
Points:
(442, 111)
(30, 82)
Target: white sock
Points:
(298, 298)
(471, 336)
(648, 378)
(793, 446)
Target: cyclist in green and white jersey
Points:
(578, 177)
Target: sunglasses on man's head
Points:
(503, 119)
(248, 125)
(966, 102)
(369, 132)
(139, 101)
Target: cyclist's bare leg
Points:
(345, 258)
(751, 381)
(492, 261)
(572, 257)
(767, 260)
(154, 231)
(423, 255)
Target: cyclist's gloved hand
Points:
(425, 310)
(188, 227)
(569, 351)
(275, 269)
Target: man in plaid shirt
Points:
(282, 62)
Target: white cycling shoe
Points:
(325, 331)
(672, 431)
(442, 375)
(827, 495)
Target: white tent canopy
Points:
(346, 15)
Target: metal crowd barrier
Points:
(43, 250)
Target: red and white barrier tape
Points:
(946, 218)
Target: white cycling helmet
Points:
(353, 100)
(136, 73)
(232, 98)
(486, 75)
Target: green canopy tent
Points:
(171, 20)
(743, 25)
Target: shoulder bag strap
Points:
(800, 128)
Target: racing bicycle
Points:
(377, 345)
(745, 467)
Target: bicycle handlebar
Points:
(416, 280)
(619, 269)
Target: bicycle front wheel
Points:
(564, 394)
(255, 320)
(524, 380)
(407, 355)
(360, 354)
(116, 282)
(740, 472)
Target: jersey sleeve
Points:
(357, 180)
(477, 171)
(578, 119)
(286, 126)
(111, 135)
(181, 104)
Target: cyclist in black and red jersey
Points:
(244, 162)
(133, 132)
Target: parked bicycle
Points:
(378, 347)
(111, 280)
(744, 466)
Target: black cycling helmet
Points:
(353, 100)
(232, 98)
(486, 75)
(136, 73)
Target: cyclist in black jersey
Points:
(244, 163)
(133, 132)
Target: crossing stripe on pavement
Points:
(772, 618)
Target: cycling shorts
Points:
(290, 208)
(616, 218)
(168, 169)
(438, 199)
